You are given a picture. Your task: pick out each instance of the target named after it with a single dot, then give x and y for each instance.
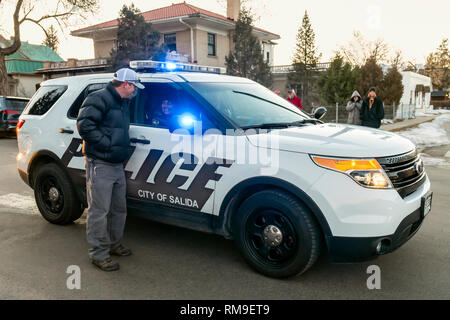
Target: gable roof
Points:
(173, 11)
(29, 57)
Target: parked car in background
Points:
(10, 110)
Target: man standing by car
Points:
(103, 123)
(294, 99)
(372, 111)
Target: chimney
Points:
(233, 8)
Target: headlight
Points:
(366, 172)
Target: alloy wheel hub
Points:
(273, 236)
(53, 194)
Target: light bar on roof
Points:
(173, 66)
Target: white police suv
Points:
(225, 155)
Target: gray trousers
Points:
(107, 208)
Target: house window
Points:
(268, 56)
(170, 40)
(211, 44)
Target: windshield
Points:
(249, 104)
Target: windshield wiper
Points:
(303, 121)
(281, 124)
(268, 125)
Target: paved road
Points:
(174, 263)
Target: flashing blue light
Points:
(171, 66)
(187, 121)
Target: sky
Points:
(416, 27)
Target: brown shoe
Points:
(106, 265)
(121, 251)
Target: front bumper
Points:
(359, 249)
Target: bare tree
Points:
(359, 50)
(25, 11)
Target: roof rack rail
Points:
(159, 66)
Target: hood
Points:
(340, 140)
(355, 94)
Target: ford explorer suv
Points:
(237, 160)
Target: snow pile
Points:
(386, 121)
(21, 202)
(429, 134)
(430, 161)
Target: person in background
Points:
(372, 111)
(292, 98)
(354, 109)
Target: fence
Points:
(391, 112)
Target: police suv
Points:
(225, 155)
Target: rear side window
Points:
(73, 111)
(44, 99)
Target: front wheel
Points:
(55, 196)
(277, 234)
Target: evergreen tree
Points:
(391, 90)
(247, 59)
(51, 39)
(371, 75)
(136, 39)
(339, 81)
(304, 62)
(437, 67)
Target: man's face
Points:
(166, 107)
(372, 95)
(291, 94)
(129, 89)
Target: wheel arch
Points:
(246, 188)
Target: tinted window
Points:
(15, 104)
(167, 105)
(73, 111)
(44, 99)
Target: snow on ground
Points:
(25, 204)
(432, 112)
(429, 134)
(431, 161)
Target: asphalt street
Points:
(175, 263)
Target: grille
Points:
(405, 171)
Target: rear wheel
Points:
(277, 234)
(55, 196)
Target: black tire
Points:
(299, 245)
(61, 207)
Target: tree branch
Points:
(26, 15)
(16, 44)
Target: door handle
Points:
(143, 141)
(65, 131)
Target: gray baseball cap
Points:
(128, 75)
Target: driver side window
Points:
(167, 106)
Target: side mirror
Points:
(319, 113)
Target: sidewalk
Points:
(406, 124)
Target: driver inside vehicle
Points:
(165, 116)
